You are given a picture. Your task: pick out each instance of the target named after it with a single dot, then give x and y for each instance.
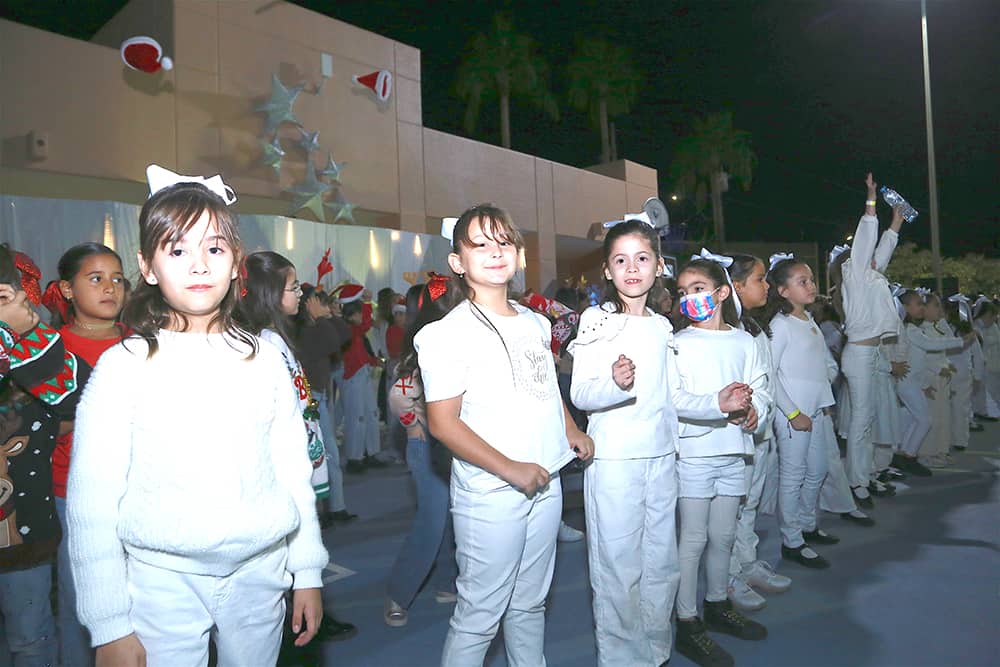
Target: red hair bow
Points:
(324, 267)
(30, 275)
(55, 301)
(437, 285)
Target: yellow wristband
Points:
(793, 414)
(870, 202)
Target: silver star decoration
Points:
(344, 211)
(310, 141)
(279, 106)
(273, 153)
(309, 194)
(332, 169)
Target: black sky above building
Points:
(828, 90)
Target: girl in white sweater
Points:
(190, 505)
(712, 352)
(804, 429)
(624, 378)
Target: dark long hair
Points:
(165, 218)
(69, 266)
(427, 310)
(836, 282)
(260, 308)
(739, 272)
(716, 273)
(638, 228)
(777, 277)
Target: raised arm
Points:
(863, 248)
(887, 244)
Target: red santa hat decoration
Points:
(144, 54)
(399, 306)
(348, 292)
(379, 82)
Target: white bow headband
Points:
(778, 257)
(898, 291)
(979, 302)
(837, 251)
(641, 217)
(964, 311)
(159, 178)
(725, 262)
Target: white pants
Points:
(707, 526)
(961, 406)
(858, 363)
(361, 431)
(803, 461)
(745, 540)
(835, 494)
(917, 420)
(174, 613)
(986, 399)
(886, 429)
(632, 547)
(506, 552)
(938, 440)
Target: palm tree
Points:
(705, 160)
(499, 64)
(604, 83)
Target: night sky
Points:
(827, 89)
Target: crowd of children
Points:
(691, 413)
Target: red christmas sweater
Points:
(357, 355)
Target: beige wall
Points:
(105, 123)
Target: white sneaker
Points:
(761, 576)
(743, 597)
(568, 533)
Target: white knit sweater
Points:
(194, 461)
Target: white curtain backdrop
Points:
(373, 257)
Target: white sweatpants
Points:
(361, 430)
(917, 420)
(858, 363)
(705, 522)
(938, 440)
(745, 540)
(803, 461)
(961, 406)
(631, 509)
(986, 398)
(174, 613)
(506, 552)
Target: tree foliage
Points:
(975, 273)
(604, 83)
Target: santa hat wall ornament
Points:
(144, 54)
(348, 292)
(379, 82)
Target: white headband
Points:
(448, 228)
(725, 262)
(778, 257)
(160, 178)
(837, 251)
(964, 311)
(640, 217)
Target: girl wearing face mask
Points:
(713, 351)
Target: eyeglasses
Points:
(296, 287)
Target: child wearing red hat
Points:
(361, 431)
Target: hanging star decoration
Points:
(279, 106)
(332, 169)
(344, 210)
(272, 153)
(309, 141)
(309, 194)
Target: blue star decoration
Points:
(279, 106)
(309, 141)
(344, 211)
(309, 194)
(332, 169)
(272, 153)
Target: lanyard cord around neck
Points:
(489, 322)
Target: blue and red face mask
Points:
(699, 306)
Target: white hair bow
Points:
(725, 262)
(964, 310)
(922, 291)
(779, 257)
(641, 217)
(837, 251)
(159, 178)
(448, 228)
(980, 300)
(898, 291)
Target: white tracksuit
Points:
(911, 387)
(630, 492)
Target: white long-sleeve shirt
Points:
(707, 361)
(803, 363)
(922, 367)
(766, 418)
(640, 422)
(990, 345)
(868, 305)
(194, 460)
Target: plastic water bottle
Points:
(893, 199)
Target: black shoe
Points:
(372, 462)
(332, 630)
(890, 475)
(865, 521)
(342, 516)
(695, 645)
(326, 520)
(881, 490)
(721, 617)
(976, 427)
(865, 502)
(911, 465)
(816, 562)
(355, 466)
(958, 448)
(819, 536)
(985, 418)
